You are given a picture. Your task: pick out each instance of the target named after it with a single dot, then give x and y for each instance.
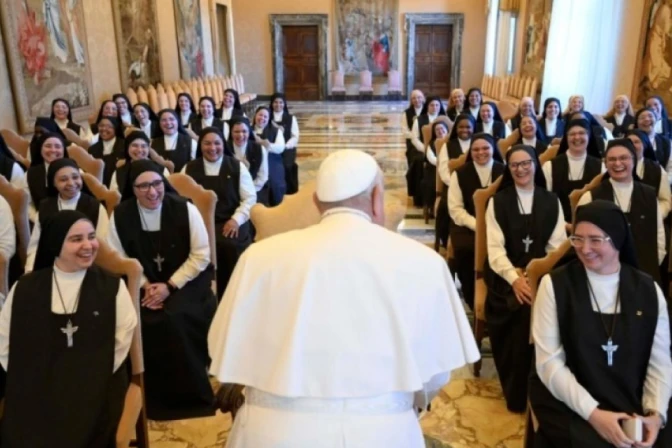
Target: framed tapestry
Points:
(536, 38)
(47, 55)
(367, 35)
(190, 38)
(135, 26)
(653, 72)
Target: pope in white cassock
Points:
(337, 347)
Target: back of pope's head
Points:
(351, 178)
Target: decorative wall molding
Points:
(277, 21)
(454, 19)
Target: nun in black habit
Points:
(110, 146)
(551, 124)
(602, 341)
(71, 329)
(167, 235)
(232, 182)
(483, 166)
(172, 141)
(577, 163)
(231, 107)
(290, 130)
(524, 221)
(61, 113)
(645, 119)
(490, 121)
(9, 167)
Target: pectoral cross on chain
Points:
(610, 348)
(69, 330)
(159, 261)
(527, 242)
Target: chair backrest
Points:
(505, 143)
(132, 96)
(240, 83)
(87, 162)
(507, 110)
(167, 164)
(204, 200)
(134, 416)
(74, 138)
(575, 195)
(539, 267)
(365, 78)
(458, 163)
(18, 202)
(550, 154)
(20, 145)
(153, 99)
(481, 198)
(110, 198)
(162, 96)
(296, 211)
(142, 95)
(337, 78)
(393, 80)
(172, 97)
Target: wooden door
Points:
(300, 55)
(433, 59)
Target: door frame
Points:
(277, 21)
(454, 19)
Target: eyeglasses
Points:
(594, 242)
(145, 186)
(525, 164)
(622, 159)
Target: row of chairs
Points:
(165, 97)
(365, 83)
(509, 88)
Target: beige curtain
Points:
(512, 6)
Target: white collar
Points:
(61, 123)
(69, 275)
(551, 120)
(62, 202)
(417, 111)
(347, 211)
(216, 164)
(530, 142)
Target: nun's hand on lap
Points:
(608, 426)
(156, 294)
(522, 290)
(652, 426)
(231, 229)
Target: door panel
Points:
(301, 69)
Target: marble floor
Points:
(469, 412)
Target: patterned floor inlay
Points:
(469, 412)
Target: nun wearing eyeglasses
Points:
(167, 235)
(638, 201)
(71, 328)
(602, 341)
(524, 221)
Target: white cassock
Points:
(343, 342)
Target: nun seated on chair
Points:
(602, 341)
(167, 235)
(66, 191)
(232, 182)
(71, 329)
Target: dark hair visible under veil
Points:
(627, 144)
(236, 99)
(537, 133)
(275, 96)
(102, 106)
(640, 112)
(472, 90)
(256, 111)
(180, 128)
(592, 149)
(496, 155)
(507, 177)
(152, 115)
(647, 151)
(204, 132)
(434, 125)
(123, 96)
(54, 167)
(496, 116)
(116, 124)
(461, 117)
(130, 138)
(192, 106)
(67, 103)
(211, 100)
(36, 150)
(663, 109)
(429, 99)
(549, 101)
(228, 148)
(53, 233)
(142, 166)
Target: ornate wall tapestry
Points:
(190, 38)
(654, 61)
(45, 42)
(367, 35)
(135, 25)
(536, 37)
